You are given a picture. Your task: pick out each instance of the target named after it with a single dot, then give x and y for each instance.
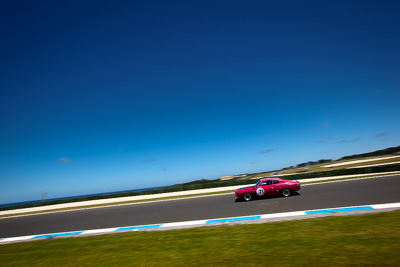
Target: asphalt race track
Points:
(317, 196)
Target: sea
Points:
(89, 195)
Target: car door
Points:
(270, 188)
(275, 187)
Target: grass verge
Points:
(349, 178)
(363, 240)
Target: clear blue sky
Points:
(100, 96)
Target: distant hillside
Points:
(382, 152)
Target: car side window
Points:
(269, 182)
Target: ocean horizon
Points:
(78, 196)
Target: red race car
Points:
(268, 187)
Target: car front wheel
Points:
(286, 192)
(247, 197)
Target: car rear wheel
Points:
(247, 196)
(286, 192)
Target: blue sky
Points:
(100, 96)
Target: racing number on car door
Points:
(260, 191)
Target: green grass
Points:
(349, 178)
(364, 240)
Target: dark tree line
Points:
(382, 152)
(311, 163)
